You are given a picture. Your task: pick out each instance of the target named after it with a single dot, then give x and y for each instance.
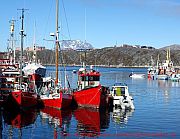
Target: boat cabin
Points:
(119, 89)
(88, 79)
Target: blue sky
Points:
(136, 22)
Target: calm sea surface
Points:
(157, 113)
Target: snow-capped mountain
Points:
(75, 45)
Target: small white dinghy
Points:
(121, 96)
(137, 76)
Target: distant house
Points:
(126, 45)
(30, 49)
(136, 46)
(147, 47)
(38, 48)
(144, 47)
(18, 48)
(150, 47)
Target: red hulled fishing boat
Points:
(23, 92)
(56, 98)
(90, 93)
(54, 95)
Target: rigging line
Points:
(85, 25)
(48, 19)
(66, 19)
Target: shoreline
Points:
(106, 66)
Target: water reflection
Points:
(18, 120)
(57, 119)
(165, 86)
(91, 122)
(120, 116)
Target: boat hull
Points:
(94, 97)
(60, 102)
(22, 99)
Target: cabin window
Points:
(16, 79)
(25, 80)
(123, 90)
(118, 91)
(93, 78)
(83, 78)
(90, 78)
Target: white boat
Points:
(175, 77)
(133, 75)
(74, 71)
(34, 68)
(121, 97)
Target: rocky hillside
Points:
(172, 47)
(122, 56)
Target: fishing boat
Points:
(15, 94)
(121, 96)
(163, 70)
(7, 82)
(23, 94)
(9, 69)
(55, 96)
(151, 70)
(90, 93)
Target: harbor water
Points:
(156, 114)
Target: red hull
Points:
(22, 99)
(93, 97)
(61, 102)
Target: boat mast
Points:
(22, 36)
(12, 49)
(34, 45)
(57, 41)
